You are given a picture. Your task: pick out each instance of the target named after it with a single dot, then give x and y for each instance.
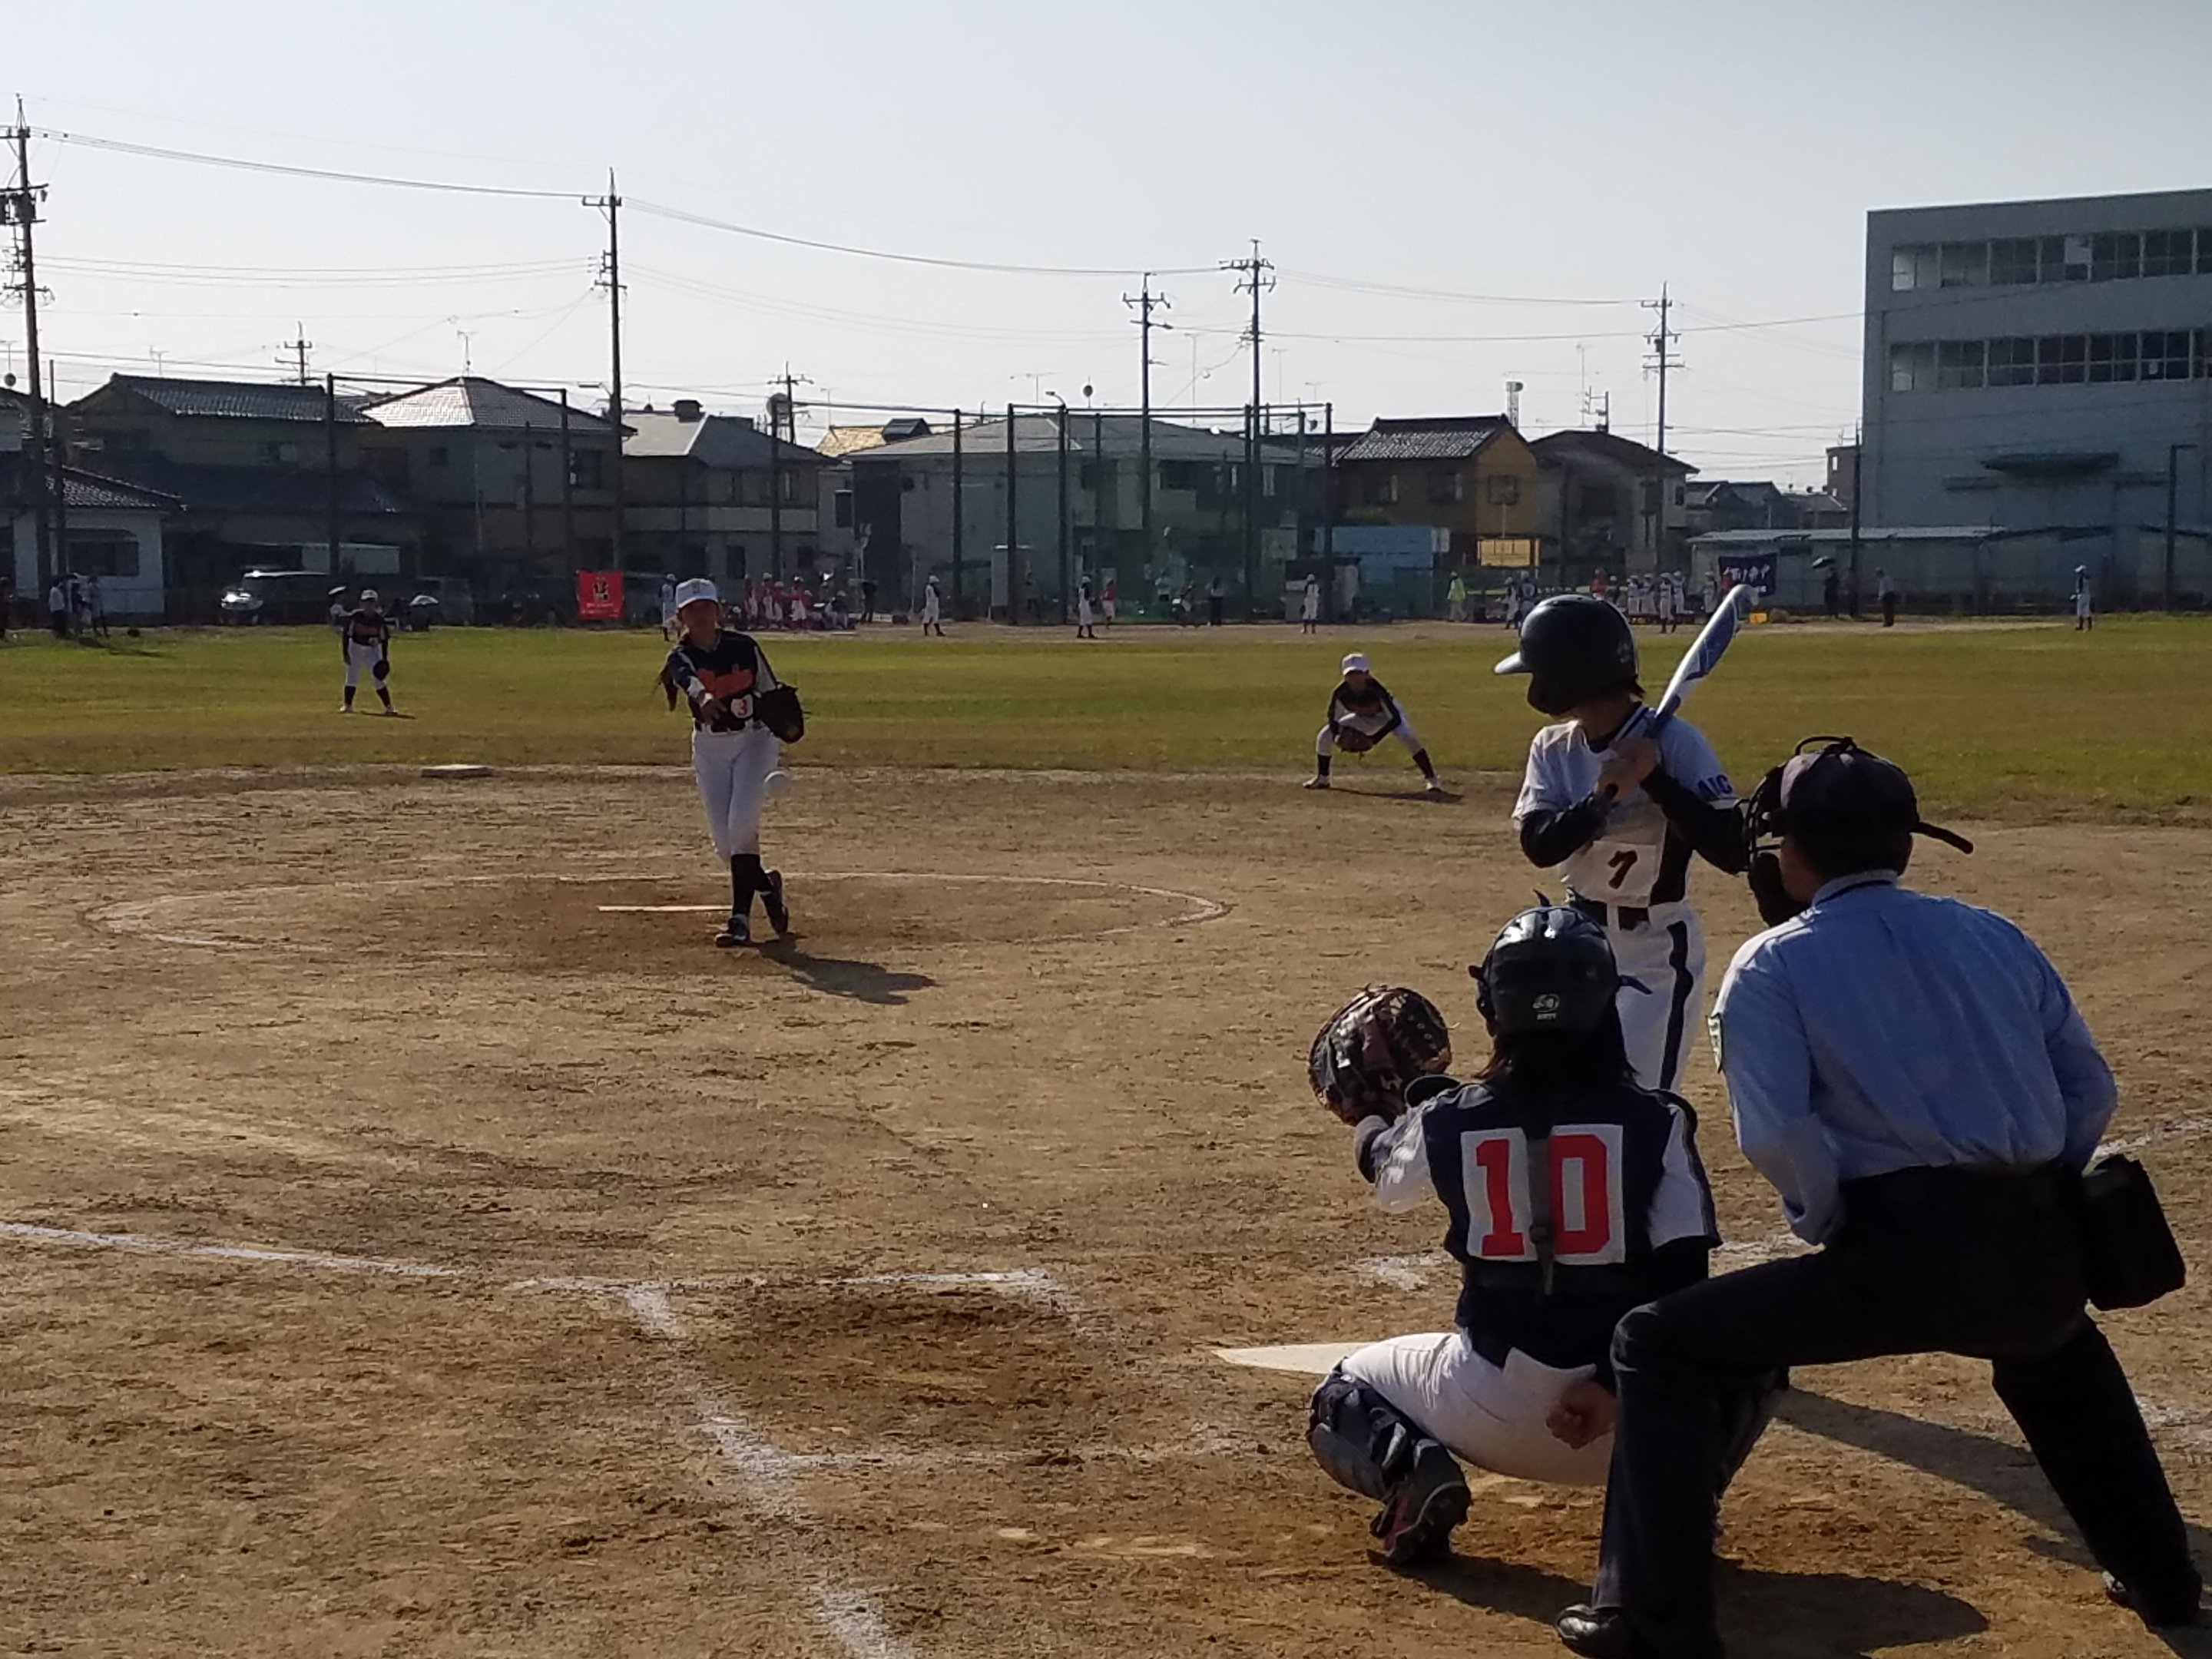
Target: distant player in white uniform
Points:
(1309, 607)
(721, 673)
(2085, 614)
(1361, 713)
(1085, 614)
(365, 636)
(933, 609)
(1618, 808)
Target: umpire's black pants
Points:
(1981, 1263)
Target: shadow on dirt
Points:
(843, 977)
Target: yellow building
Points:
(1472, 475)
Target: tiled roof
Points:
(1449, 438)
(470, 400)
(845, 440)
(273, 489)
(90, 492)
(717, 441)
(1608, 445)
(250, 400)
(1117, 434)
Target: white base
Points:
(457, 769)
(1304, 1358)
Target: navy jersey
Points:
(367, 627)
(1565, 1212)
(1371, 701)
(732, 670)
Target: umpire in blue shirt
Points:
(1913, 1077)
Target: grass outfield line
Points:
(2011, 722)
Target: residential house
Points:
(250, 465)
(1609, 503)
(516, 490)
(1474, 477)
(715, 495)
(904, 496)
(100, 526)
(1717, 504)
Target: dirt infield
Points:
(418, 1240)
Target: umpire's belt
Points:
(1959, 1185)
(1611, 916)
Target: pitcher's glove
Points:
(779, 710)
(1368, 1050)
(1353, 741)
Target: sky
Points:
(1453, 193)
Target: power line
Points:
(87, 141)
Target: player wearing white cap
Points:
(365, 637)
(722, 674)
(1361, 713)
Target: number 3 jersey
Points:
(1566, 1212)
(1635, 857)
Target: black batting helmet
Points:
(1574, 647)
(1550, 969)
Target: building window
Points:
(1912, 266)
(587, 468)
(2115, 255)
(1958, 364)
(1912, 366)
(1503, 489)
(2205, 249)
(2166, 355)
(2012, 362)
(1446, 487)
(2062, 359)
(2112, 357)
(2066, 258)
(840, 509)
(2204, 354)
(1179, 475)
(2168, 253)
(1963, 264)
(1381, 489)
(2012, 261)
(103, 553)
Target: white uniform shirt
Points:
(1631, 861)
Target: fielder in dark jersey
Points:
(1362, 709)
(1574, 1195)
(365, 639)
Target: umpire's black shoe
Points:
(1415, 1527)
(738, 931)
(2167, 1613)
(772, 904)
(1606, 1633)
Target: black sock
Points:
(1421, 760)
(1321, 766)
(745, 881)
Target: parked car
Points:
(454, 601)
(278, 597)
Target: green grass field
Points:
(2029, 721)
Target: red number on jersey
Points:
(1494, 1158)
(1582, 1216)
(1583, 1184)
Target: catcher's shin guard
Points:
(1364, 1442)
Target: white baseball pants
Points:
(360, 660)
(1325, 740)
(732, 769)
(1666, 954)
(1489, 1415)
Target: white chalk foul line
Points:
(152, 1245)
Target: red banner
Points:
(598, 596)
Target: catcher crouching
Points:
(1618, 1215)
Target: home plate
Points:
(457, 769)
(662, 910)
(1305, 1359)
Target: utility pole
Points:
(299, 347)
(783, 420)
(1013, 529)
(611, 279)
(1857, 441)
(61, 480)
(1328, 488)
(568, 495)
(1661, 340)
(1255, 276)
(959, 513)
(20, 208)
(330, 459)
(1146, 303)
(1065, 590)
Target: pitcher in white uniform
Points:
(1617, 802)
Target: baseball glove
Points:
(382, 671)
(779, 710)
(1368, 1050)
(1353, 741)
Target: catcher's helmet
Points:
(1574, 647)
(1550, 969)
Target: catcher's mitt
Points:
(1370, 1049)
(1353, 741)
(778, 710)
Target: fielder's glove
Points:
(778, 710)
(1353, 741)
(382, 671)
(1368, 1050)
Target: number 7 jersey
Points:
(1636, 859)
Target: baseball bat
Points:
(1700, 659)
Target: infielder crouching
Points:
(1620, 1214)
(365, 636)
(723, 673)
(1619, 805)
(1361, 713)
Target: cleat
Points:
(738, 932)
(345, 709)
(772, 904)
(1416, 1526)
(1316, 783)
(1433, 787)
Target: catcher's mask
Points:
(1550, 969)
(1574, 647)
(1829, 791)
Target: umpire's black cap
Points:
(1840, 792)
